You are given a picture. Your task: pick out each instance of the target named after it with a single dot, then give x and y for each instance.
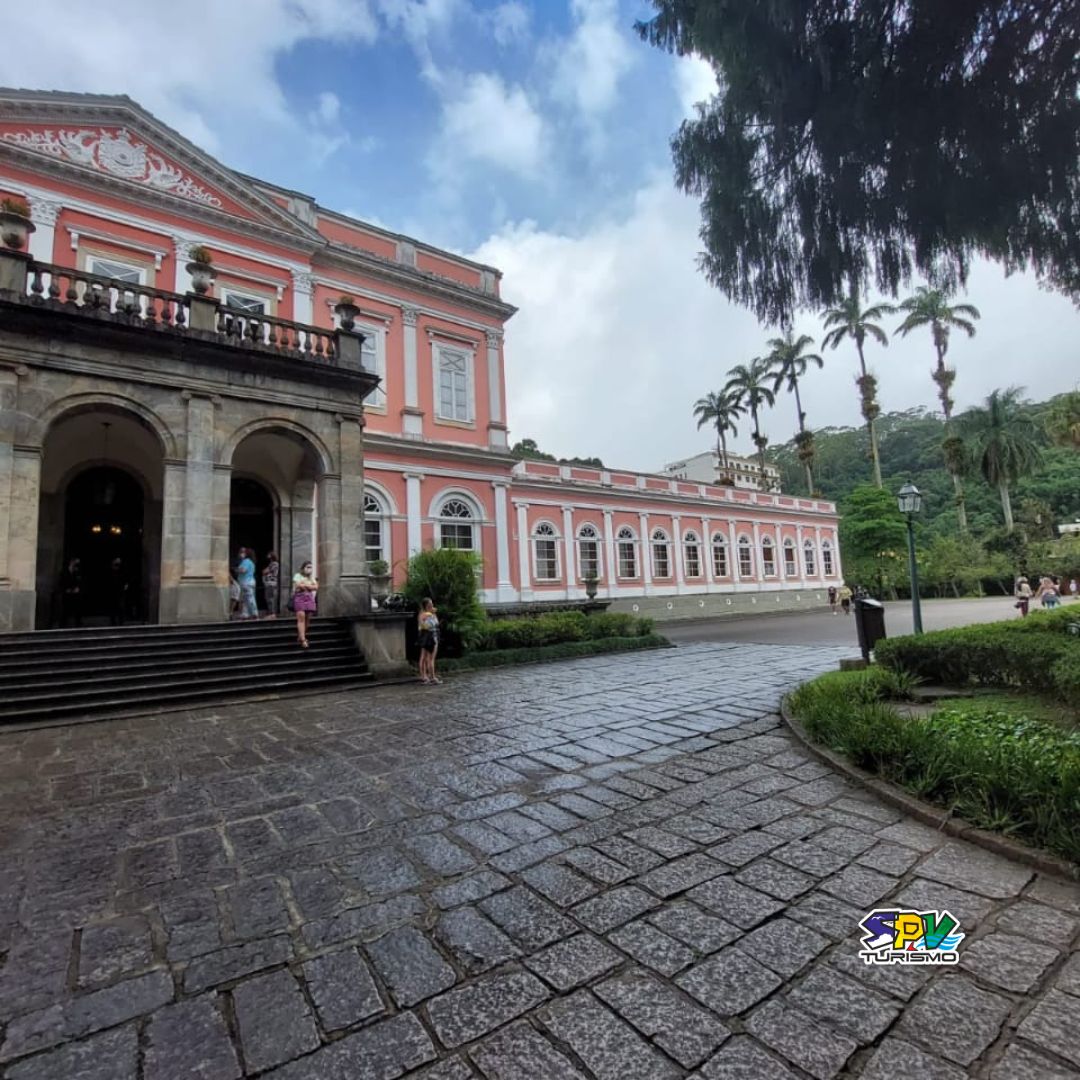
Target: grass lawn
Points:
(1032, 706)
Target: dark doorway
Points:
(103, 521)
(251, 520)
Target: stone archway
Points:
(101, 497)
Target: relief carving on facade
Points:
(117, 154)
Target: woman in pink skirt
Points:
(305, 588)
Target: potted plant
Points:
(346, 311)
(201, 270)
(379, 577)
(591, 583)
(15, 223)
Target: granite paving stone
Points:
(257, 908)
(633, 856)
(772, 877)
(342, 989)
(235, 961)
(895, 1059)
(410, 966)
(844, 1003)
(476, 943)
(599, 867)
(686, 1032)
(737, 903)
(729, 982)
(955, 1018)
(800, 1039)
(274, 1020)
(577, 960)
(530, 920)
(469, 889)
(974, 870)
(367, 922)
(382, 872)
(744, 848)
(560, 884)
(681, 874)
(1040, 923)
(469, 1012)
(613, 908)
(1052, 1025)
(609, 1047)
(1021, 1063)
(520, 1052)
(524, 855)
(859, 885)
(190, 1039)
(889, 858)
(810, 857)
(112, 1055)
(1013, 963)
(440, 855)
(118, 947)
(783, 946)
(1068, 978)
(743, 1059)
(652, 948)
(695, 928)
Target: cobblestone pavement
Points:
(619, 868)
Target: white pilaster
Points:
(494, 339)
(611, 565)
(646, 553)
(182, 249)
(800, 555)
(759, 561)
(838, 566)
(819, 563)
(43, 213)
(409, 315)
(303, 290)
(677, 539)
(413, 516)
(523, 550)
(568, 547)
(504, 585)
(706, 549)
(781, 562)
(733, 552)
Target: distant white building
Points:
(706, 468)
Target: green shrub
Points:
(645, 626)
(449, 577)
(610, 624)
(555, 627)
(562, 651)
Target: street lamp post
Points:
(909, 499)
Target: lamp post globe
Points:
(909, 499)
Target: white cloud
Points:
(486, 120)
(590, 63)
(618, 334)
(215, 74)
(328, 109)
(510, 23)
(421, 21)
(695, 81)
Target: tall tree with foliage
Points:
(720, 409)
(789, 362)
(1005, 443)
(850, 319)
(930, 307)
(749, 385)
(873, 538)
(1063, 420)
(856, 143)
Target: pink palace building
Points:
(143, 420)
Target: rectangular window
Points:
(453, 384)
(693, 561)
(826, 561)
(588, 558)
(118, 271)
(627, 559)
(547, 561)
(719, 560)
(372, 539)
(768, 562)
(661, 561)
(746, 561)
(808, 558)
(243, 303)
(373, 359)
(452, 535)
(789, 561)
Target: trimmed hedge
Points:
(1036, 655)
(997, 770)
(562, 651)
(558, 627)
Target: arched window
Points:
(768, 558)
(661, 554)
(627, 548)
(589, 564)
(545, 552)
(789, 558)
(826, 558)
(376, 532)
(808, 558)
(746, 557)
(692, 555)
(457, 525)
(719, 555)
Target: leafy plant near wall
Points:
(15, 206)
(449, 577)
(201, 254)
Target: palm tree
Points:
(1005, 442)
(849, 320)
(788, 363)
(749, 384)
(721, 409)
(930, 307)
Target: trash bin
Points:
(869, 624)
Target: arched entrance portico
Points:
(101, 500)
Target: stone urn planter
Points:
(346, 311)
(15, 224)
(201, 269)
(379, 581)
(591, 586)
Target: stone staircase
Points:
(56, 675)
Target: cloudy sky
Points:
(531, 135)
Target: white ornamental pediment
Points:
(114, 152)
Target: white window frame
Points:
(382, 516)
(791, 558)
(809, 558)
(93, 257)
(438, 349)
(473, 521)
(720, 541)
(768, 566)
(376, 336)
(544, 532)
(828, 563)
(660, 539)
(691, 541)
(227, 291)
(745, 546)
(588, 533)
(626, 536)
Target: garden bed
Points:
(565, 650)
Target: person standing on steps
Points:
(71, 594)
(304, 599)
(245, 578)
(271, 575)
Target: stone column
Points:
(568, 547)
(706, 550)
(676, 539)
(645, 554)
(182, 249)
(819, 563)
(610, 559)
(838, 566)
(303, 292)
(43, 213)
(524, 562)
(759, 561)
(496, 419)
(733, 553)
(412, 415)
(353, 583)
(413, 515)
(504, 584)
(781, 562)
(800, 556)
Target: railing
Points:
(135, 304)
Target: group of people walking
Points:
(303, 598)
(1048, 593)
